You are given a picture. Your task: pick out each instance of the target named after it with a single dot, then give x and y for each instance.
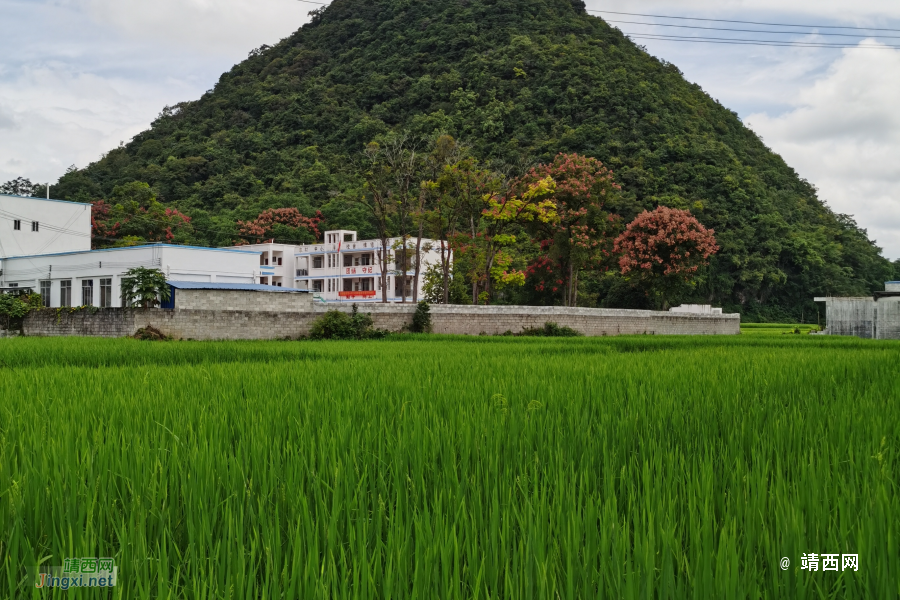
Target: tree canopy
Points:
(518, 81)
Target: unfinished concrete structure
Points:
(875, 318)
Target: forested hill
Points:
(518, 81)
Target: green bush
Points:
(422, 318)
(14, 307)
(337, 325)
(549, 329)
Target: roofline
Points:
(45, 199)
(130, 248)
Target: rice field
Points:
(440, 467)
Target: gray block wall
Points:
(243, 300)
(202, 324)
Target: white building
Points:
(94, 278)
(45, 245)
(30, 226)
(344, 269)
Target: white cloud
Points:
(205, 25)
(843, 134)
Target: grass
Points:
(441, 467)
(777, 329)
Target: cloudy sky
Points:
(77, 77)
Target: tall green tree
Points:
(144, 287)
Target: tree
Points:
(146, 287)
(519, 202)
(461, 189)
(575, 239)
(286, 224)
(18, 187)
(663, 250)
(445, 152)
(134, 216)
(392, 185)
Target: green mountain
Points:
(518, 81)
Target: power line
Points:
(739, 41)
(700, 39)
(851, 35)
(612, 12)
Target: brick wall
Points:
(243, 300)
(467, 320)
(106, 322)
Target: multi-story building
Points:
(345, 269)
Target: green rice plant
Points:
(450, 467)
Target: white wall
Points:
(179, 263)
(62, 226)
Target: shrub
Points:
(14, 307)
(337, 325)
(422, 318)
(549, 329)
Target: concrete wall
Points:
(850, 316)
(887, 321)
(865, 318)
(471, 320)
(243, 300)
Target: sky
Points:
(79, 77)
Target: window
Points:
(348, 237)
(365, 285)
(35, 226)
(405, 259)
(348, 285)
(348, 260)
(105, 293)
(279, 261)
(87, 292)
(366, 259)
(45, 293)
(409, 286)
(17, 225)
(317, 285)
(65, 293)
(317, 262)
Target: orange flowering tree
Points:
(664, 249)
(134, 216)
(576, 240)
(284, 224)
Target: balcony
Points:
(359, 294)
(302, 272)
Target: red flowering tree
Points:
(576, 240)
(134, 216)
(664, 249)
(286, 224)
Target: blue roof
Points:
(246, 287)
(44, 199)
(123, 248)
